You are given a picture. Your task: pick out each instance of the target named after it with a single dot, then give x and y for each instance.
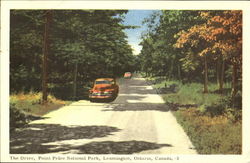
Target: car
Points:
(127, 75)
(104, 88)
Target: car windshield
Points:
(104, 82)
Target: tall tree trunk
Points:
(179, 71)
(171, 72)
(48, 18)
(218, 70)
(222, 76)
(234, 82)
(75, 80)
(205, 75)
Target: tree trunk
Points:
(234, 82)
(218, 70)
(179, 71)
(222, 76)
(75, 80)
(205, 75)
(171, 72)
(48, 18)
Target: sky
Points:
(136, 17)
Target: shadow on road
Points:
(136, 103)
(31, 138)
(138, 86)
(137, 107)
(123, 147)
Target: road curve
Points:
(136, 122)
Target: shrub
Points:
(232, 110)
(17, 117)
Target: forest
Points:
(80, 46)
(195, 46)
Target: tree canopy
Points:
(91, 41)
(192, 45)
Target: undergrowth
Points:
(211, 135)
(27, 107)
(213, 122)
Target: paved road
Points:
(137, 122)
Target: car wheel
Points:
(113, 97)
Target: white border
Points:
(189, 5)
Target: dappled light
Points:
(32, 138)
(136, 107)
(51, 138)
(112, 147)
(130, 124)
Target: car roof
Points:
(101, 79)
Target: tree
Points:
(46, 45)
(222, 34)
(227, 32)
(162, 27)
(84, 45)
(26, 44)
(194, 39)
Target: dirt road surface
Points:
(136, 122)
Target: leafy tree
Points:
(221, 37)
(185, 45)
(26, 35)
(84, 45)
(165, 59)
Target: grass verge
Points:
(211, 135)
(27, 107)
(213, 126)
(31, 103)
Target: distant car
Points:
(104, 88)
(127, 75)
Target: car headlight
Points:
(108, 92)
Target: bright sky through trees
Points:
(136, 17)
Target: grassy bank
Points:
(211, 135)
(212, 124)
(27, 107)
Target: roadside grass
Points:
(190, 93)
(211, 124)
(27, 107)
(31, 103)
(211, 135)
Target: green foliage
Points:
(176, 41)
(227, 107)
(212, 121)
(190, 93)
(92, 39)
(158, 56)
(211, 104)
(31, 102)
(17, 117)
(210, 135)
(25, 107)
